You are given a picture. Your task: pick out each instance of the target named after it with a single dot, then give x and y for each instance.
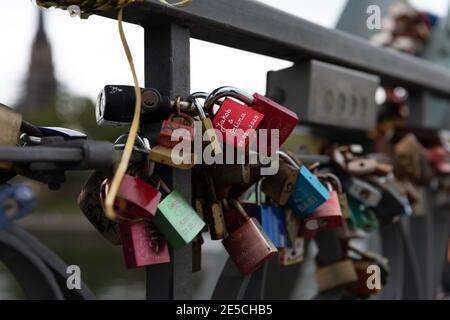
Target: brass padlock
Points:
(208, 129)
(280, 186)
(214, 216)
(410, 160)
(336, 275)
(170, 157)
(10, 122)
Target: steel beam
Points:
(255, 27)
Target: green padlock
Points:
(360, 217)
(177, 220)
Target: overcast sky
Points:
(88, 53)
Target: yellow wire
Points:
(123, 165)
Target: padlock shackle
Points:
(285, 156)
(227, 91)
(258, 193)
(334, 178)
(238, 206)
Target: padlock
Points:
(176, 219)
(361, 190)
(15, 202)
(142, 244)
(248, 246)
(362, 217)
(228, 174)
(208, 129)
(115, 106)
(10, 122)
(417, 198)
(183, 124)
(342, 196)
(236, 121)
(197, 253)
(362, 263)
(336, 275)
(393, 202)
(309, 193)
(362, 166)
(279, 187)
(91, 204)
(293, 254)
(215, 215)
(326, 217)
(275, 116)
(293, 226)
(171, 157)
(139, 197)
(270, 217)
(410, 160)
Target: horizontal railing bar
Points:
(258, 28)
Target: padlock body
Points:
(228, 174)
(237, 123)
(139, 249)
(163, 155)
(365, 220)
(212, 136)
(142, 199)
(216, 222)
(327, 217)
(249, 247)
(184, 133)
(292, 255)
(272, 222)
(90, 203)
(280, 186)
(177, 220)
(309, 194)
(276, 117)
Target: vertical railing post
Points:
(167, 68)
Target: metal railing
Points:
(254, 27)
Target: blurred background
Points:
(52, 68)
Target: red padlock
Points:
(141, 198)
(170, 125)
(276, 117)
(327, 217)
(237, 123)
(142, 244)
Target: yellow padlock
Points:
(172, 158)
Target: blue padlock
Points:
(271, 218)
(309, 193)
(15, 202)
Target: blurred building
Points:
(40, 85)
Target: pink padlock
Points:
(142, 244)
(327, 217)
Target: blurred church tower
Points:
(40, 85)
